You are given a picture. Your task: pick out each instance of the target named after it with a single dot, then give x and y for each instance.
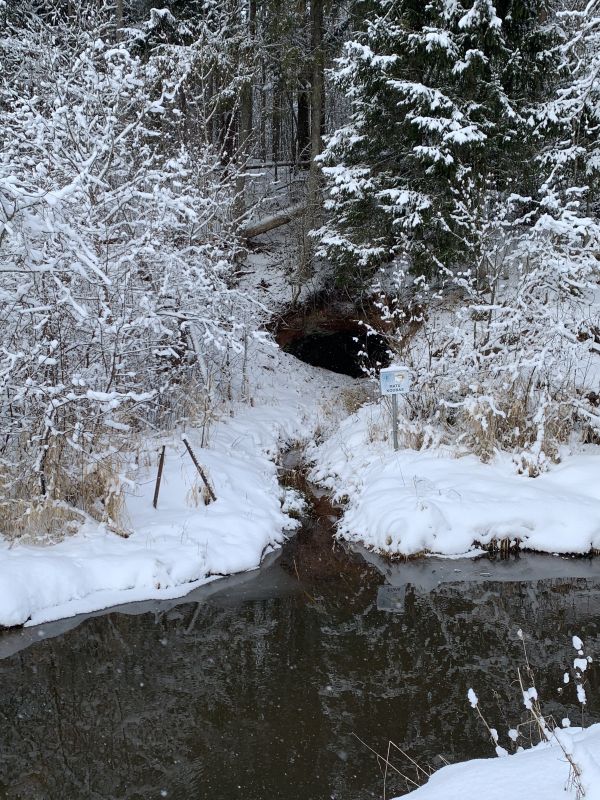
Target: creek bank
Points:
(440, 501)
(434, 499)
(183, 544)
(314, 554)
(310, 561)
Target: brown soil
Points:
(323, 314)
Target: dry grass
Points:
(531, 426)
(79, 487)
(38, 521)
(502, 547)
(198, 495)
(353, 397)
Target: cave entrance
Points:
(331, 337)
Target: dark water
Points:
(255, 692)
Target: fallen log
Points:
(275, 221)
(271, 164)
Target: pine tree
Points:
(507, 346)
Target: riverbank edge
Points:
(442, 501)
(172, 550)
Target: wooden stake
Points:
(201, 472)
(161, 463)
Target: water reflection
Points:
(257, 696)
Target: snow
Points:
(183, 544)
(439, 501)
(541, 773)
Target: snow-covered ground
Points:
(541, 773)
(403, 502)
(184, 543)
(436, 501)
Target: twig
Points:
(418, 766)
(310, 597)
(387, 760)
(388, 763)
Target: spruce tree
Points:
(440, 96)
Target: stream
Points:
(258, 686)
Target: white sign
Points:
(395, 380)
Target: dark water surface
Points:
(254, 691)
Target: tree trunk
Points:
(263, 114)
(227, 136)
(303, 141)
(317, 98)
(118, 19)
(276, 123)
(245, 125)
(317, 95)
(246, 97)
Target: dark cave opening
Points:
(345, 351)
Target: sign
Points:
(395, 380)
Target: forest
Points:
(439, 160)
(222, 223)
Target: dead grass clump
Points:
(501, 547)
(520, 418)
(353, 397)
(39, 521)
(198, 495)
(195, 404)
(78, 486)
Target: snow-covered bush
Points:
(115, 256)
(504, 354)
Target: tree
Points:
(116, 251)
(438, 112)
(507, 339)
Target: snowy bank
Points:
(432, 500)
(541, 773)
(183, 543)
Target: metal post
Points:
(395, 419)
(161, 463)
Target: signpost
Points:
(395, 381)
